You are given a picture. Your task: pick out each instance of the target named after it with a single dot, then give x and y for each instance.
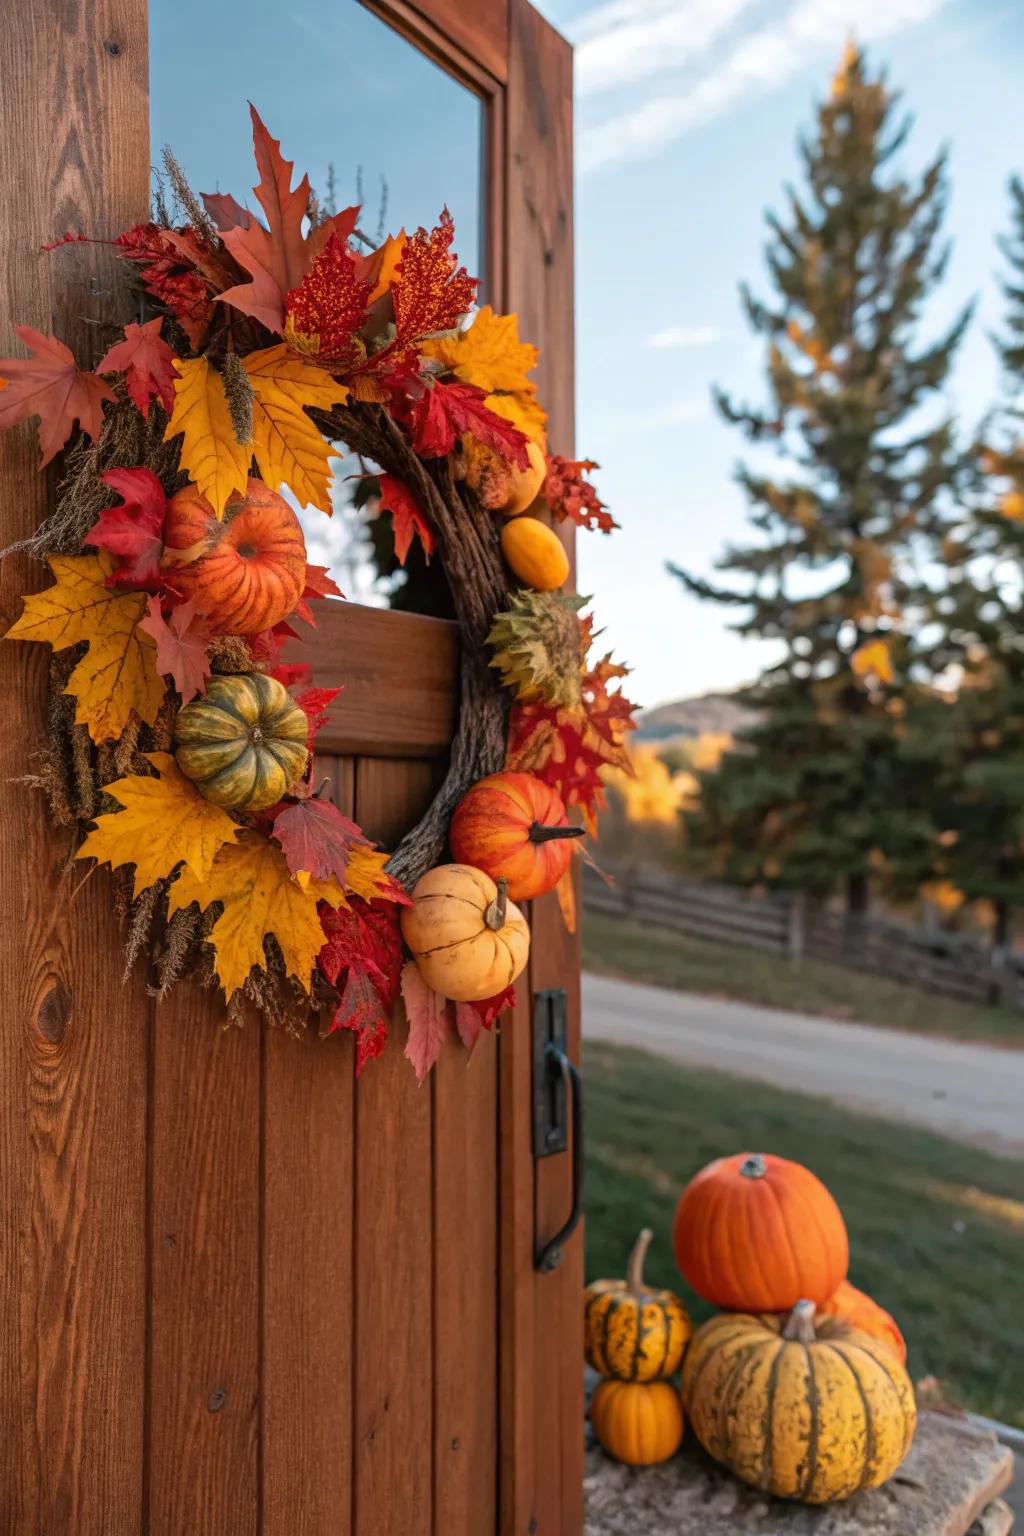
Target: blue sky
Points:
(687, 114)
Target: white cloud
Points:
(625, 41)
(759, 62)
(685, 336)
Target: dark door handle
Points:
(558, 1065)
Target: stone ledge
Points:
(949, 1485)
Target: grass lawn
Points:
(622, 948)
(936, 1230)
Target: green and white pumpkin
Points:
(243, 743)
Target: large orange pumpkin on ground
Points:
(245, 573)
(512, 825)
(862, 1312)
(758, 1234)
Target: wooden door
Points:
(241, 1292)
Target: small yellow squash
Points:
(640, 1423)
(468, 940)
(526, 483)
(803, 1410)
(534, 552)
(631, 1331)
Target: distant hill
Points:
(712, 713)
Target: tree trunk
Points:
(1001, 937)
(856, 894)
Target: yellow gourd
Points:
(526, 483)
(468, 940)
(803, 1410)
(640, 1423)
(534, 552)
(631, 1331)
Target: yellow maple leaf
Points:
(210, 453)
(522, 411)
(290, 450)
(384, 262)
(364, 876)
(163, 822)
(118, 672)
(251, 878)
(488, 354)
(872, 659)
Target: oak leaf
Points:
(429, 1022)
(570, 495)
(488, 354)
(118, 673)
(147, 363)
(163, 822)
(215, 460)
(182, 646)
(407, 519)
(289, 448)
(316, 838)
(132, 532)
(278, 256)
(50, 385)
(251, 879)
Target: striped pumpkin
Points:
(243, 743)
(246, 573)
(631, 1331)
(805, 1411)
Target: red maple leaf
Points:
(407, 519)
(291, 673)
(316, 838)
(50, 385)
(170, 275)
(314, 704)
(318, 584)
(570, 496)
(363, 958)
(431, 292)
(134, 531)
(328, 306)
(277, 256)
(429, 1020)
(147, 363)
(444, 411)
(471, 1018)
(182, 642)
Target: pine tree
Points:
(822, 789)
(976, 728)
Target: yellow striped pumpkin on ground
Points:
(244, 742)
(632, 1331)
(640, 1423)
(804, 1410)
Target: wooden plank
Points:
(475, 29)
(374, 655)
(308, 1263)
(466, 1289)
(73, 1052)
(207, 1168)
(392, 1406)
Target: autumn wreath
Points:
(179, 737)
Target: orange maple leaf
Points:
(50, 385)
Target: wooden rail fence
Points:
(783, 923)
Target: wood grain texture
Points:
(207, 1167)
(308, 1269)
(399, 673)
(73, 1044)
(394, 1295)
(467, 37)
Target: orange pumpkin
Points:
(862, 1312)
(758, 1234)
(245, 573)
(526, 483)
(514, 827)
(468, 940)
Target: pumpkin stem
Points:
(635, 1267)
(754, 1166)
(539, 833)
(800, 1323)
(494, 917)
